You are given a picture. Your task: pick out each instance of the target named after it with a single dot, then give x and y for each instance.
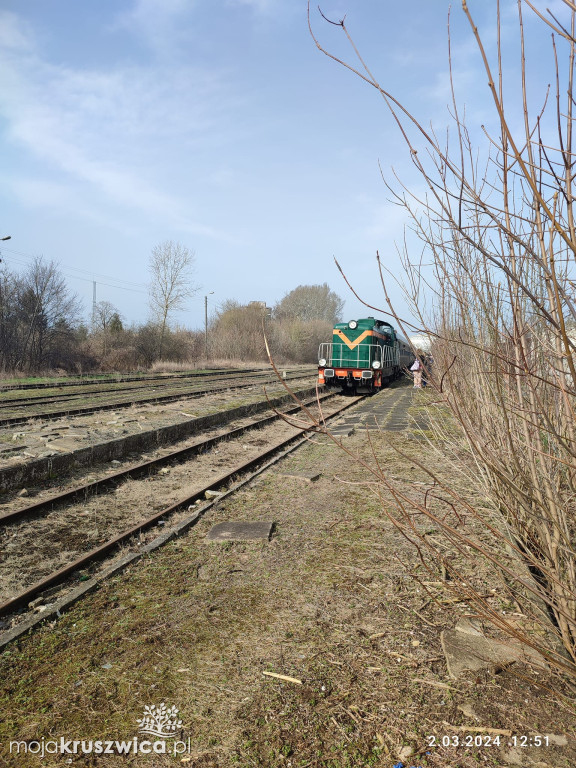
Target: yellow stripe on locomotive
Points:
(363, 356)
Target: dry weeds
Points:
(330, 600)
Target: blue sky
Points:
(217, 124)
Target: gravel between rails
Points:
(33, 549)
(40, 439)
(120, 379)
(87, 403)
(58, 394)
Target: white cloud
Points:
(157, 22)
(112, 131)
(64, 200)
(14, 33)
(154, 10)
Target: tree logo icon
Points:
(160, 721)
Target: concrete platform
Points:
(385, 411)
(342, 431)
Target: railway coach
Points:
(363, 356)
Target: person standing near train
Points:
(427, 364)
(416, 369)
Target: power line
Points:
(78, 269)
(66, 270)
(142, 288)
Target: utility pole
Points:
(8, 237)
(93, 304)
(206, 324)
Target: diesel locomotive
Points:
(363, 356)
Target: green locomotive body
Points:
(364, 355)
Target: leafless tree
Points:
(104, 313)
(9, 330)
(310, 302)
(47, 313)
(105, 320)
(171, 284)
(298, 340)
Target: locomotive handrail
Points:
(339, 355)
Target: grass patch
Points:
(330, 601)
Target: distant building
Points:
(261, 305)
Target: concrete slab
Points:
(471, 626)
(342, 431)
(12, 449)
(64, 445)
(467, 649)
(309, 477)
(242, 531)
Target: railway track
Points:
(115, 379)
(116, 440)
(109, 482)
(27, 410)
(114, 387)
(87, 560)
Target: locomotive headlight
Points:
(322, 362)
(376, 364)
(353, 324)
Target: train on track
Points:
(363, 356)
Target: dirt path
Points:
(329, 601)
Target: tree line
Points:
(42, 327)
(39, 320)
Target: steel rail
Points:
(50, 415)
(120, 379)
(114, 388)
(110, 482)
(99, 552)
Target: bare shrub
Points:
(168, 366)
(220, 362)
(298, 340)
(121, 358)
(236, 332)
(299, 323)
(502, 240)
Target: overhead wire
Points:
(66, 269)
(21, 257)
